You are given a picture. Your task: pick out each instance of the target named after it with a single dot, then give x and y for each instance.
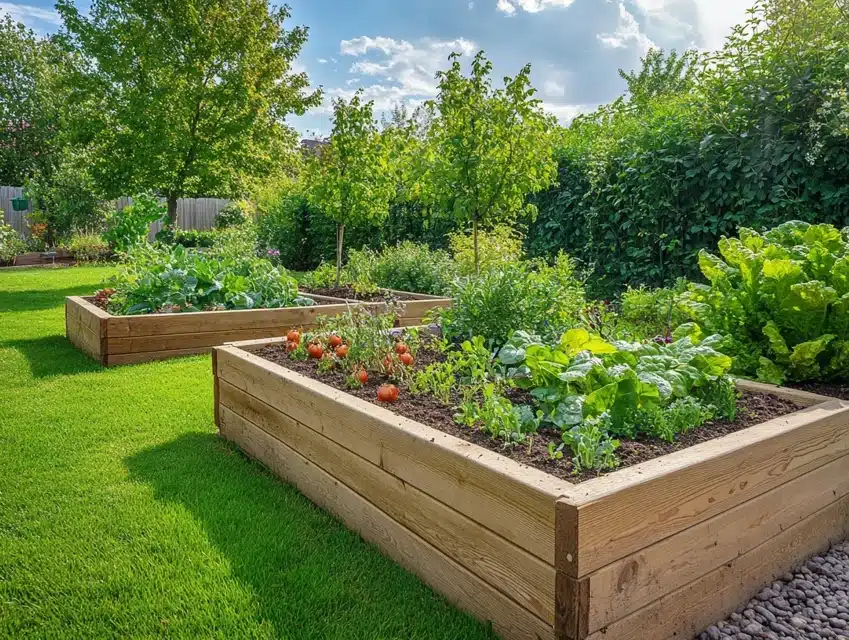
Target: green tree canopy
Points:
(349, 177)
(184, 97)
(29, 101)
(490, 148)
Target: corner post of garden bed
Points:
(215, 387)
(572, 594)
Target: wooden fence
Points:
(192, 213)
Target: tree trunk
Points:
(172, 210)
(475, 239)
(340, 235)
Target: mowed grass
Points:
(122, 514)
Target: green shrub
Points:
(194, 238)
(283, 228)
(648, 313)
(781, 299)
(236, 242)
(129, 227)
(175, 279)
(89, 247)
(407, 267)
(235, 214)
(521, 296)
(496, 247)
(11, 243)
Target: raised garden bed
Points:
(39, 258)
(114, 340)
(655, 550)
(416, 305)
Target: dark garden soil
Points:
(752, 409)
(350, 294)
(835, 389)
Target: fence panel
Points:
(192, 213)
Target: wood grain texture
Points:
(687, 611)
(492, 558)
(116, 359)
(636, 507)
(208, 339)
(573, 602)
(514, 501)
(633, 582)
(510, 620)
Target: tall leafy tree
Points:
(490, 148)
(185, 97)
(350, 178)
(29, 101)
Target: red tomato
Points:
(293, 336)
(400, 348)
(315, 350)
(387, 393)
(334, 341)
(387, 363)
(292, 345)
(342, 351)
(406, 359)
(362, 376)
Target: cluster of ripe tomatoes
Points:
(336, 345)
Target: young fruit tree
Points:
(490, 148)
(184, 98)
(349, 178)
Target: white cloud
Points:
(531, 6)
(565, 113)
(554, 89)
(471, 6)
(403, 71)
(713, 18)
(322, 61)
(627, 34)
(27, 13)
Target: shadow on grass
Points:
(311, 577)
(52, 356)
(40, 300)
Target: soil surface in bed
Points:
(752, 409)
(834, 389)
(350, 294)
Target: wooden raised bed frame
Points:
(654, 551)
(114, 340)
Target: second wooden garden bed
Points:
(115, 340)
(656, 550)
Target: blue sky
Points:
(392, 48)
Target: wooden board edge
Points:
(117, 359)
(572, 604)
(216, 397)
(566, 542)
(801, 398)
(691, 608)
(433, 567)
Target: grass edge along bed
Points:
(665, 547)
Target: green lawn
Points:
(123, 515)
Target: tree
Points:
(187, 98)
(29, 102)
(349, 177)
(490, 148)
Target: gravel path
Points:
(812, 603)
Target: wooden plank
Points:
(573, 602)
(446, 576)
(115, 359)
(208, 321)
(802, 398)
(83, 338)
(513, 500)
(216, 391)
(503, 565)
(628, 584)
(420, 296)
(170, 342)
(255, 345)
(85, 312)
(687, 611)
(633, 508)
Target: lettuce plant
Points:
(781, 298)
(177, 279)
